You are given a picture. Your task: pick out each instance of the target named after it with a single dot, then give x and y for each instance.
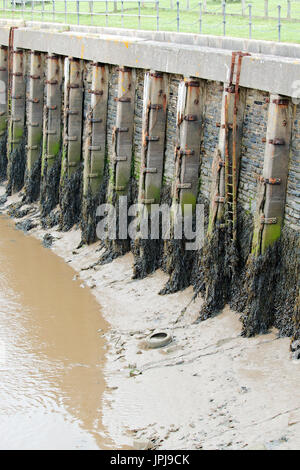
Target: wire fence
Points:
(218, 17)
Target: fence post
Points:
(171, 4)
(243, 7)
(122, 13)
(200, 17)
(77, 6)
(204, 6)
(177, 17)
(187, 4)
(53, 10)
(43, 9)
(91, 8)
(32, 9)
(106, 13)
(289, 9)
(250, 20)
(66, 11)
(139, 2)
(115, 6)
(224, 18)
(266, 8)
(279, 23)
(157, 15)
(23, 8)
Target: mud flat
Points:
(210, 388)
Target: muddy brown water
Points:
(51, 351)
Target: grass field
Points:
(237, 26)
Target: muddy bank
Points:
(210, 388)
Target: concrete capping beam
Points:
(249, 45)
(274, 74)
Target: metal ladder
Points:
(231, 176)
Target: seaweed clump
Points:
(3, 157)
(149, 254)
(16, 168)
(70, 200)
(33, 182)
(50, 190)
(89, 208)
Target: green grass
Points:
(237, 26)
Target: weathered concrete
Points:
(275, 74)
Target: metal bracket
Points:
(192, 84)
(273, 181)
(33, 100)
(220, 199)
(152, 138)
(94, 120)
(121, 129)
(281, 102)
(184, 185)
(51, 82)
(72, 138)
(155, 107)
(277, 141)
(268, 221)
(96, 92)
(120, 158)
(73, 85)
(34, 124)
(31, 147)
(35, 77)
(51, 132)
(94, 148)
(71, 113)
(123, 99)
(150, 170)
(187, 152)
(190, 117)
(148, 201)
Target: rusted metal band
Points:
(33, 100)
(35, 77)
(123, 99)
(73, 85)
(3, 69)
(156, 75)
(51, 82)
(192, 83)
(187, 152)
(151, 138)
(155, 107)
(96, 92)
(124, 69)
(281, 102)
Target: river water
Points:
(51, 350)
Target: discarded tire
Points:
(158, 339)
